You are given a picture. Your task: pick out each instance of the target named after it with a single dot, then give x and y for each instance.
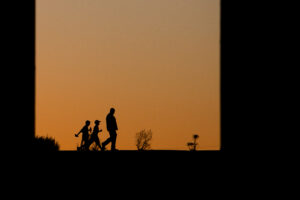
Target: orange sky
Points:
(157, 62)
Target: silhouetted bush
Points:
(143, 139)
(41, 143)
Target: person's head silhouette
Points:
(87, 122)
(97, 122)
(112, 111)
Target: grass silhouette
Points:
(42, 143)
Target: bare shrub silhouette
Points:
(143, 139)
(42, 143)
(192, 145)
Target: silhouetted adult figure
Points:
(111, 125)
(85, 134)
(94, 136)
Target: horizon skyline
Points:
(156, 62)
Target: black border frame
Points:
(19, 56)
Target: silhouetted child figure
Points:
(111, 125)
(94, 136)
(85, 134)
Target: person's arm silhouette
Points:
(76, 135)
(115, 123)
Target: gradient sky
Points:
(157, 62)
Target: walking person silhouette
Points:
(94, 135)
(111, 125)
(85, 134)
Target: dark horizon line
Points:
(143, 151)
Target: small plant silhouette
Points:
(192, 145)
(94, 147)
(143, 139)
(42, 143)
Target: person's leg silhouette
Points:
(108, 140)
(97, 141)
(112, 139)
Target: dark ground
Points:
(147, 151)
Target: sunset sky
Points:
(157, 62)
